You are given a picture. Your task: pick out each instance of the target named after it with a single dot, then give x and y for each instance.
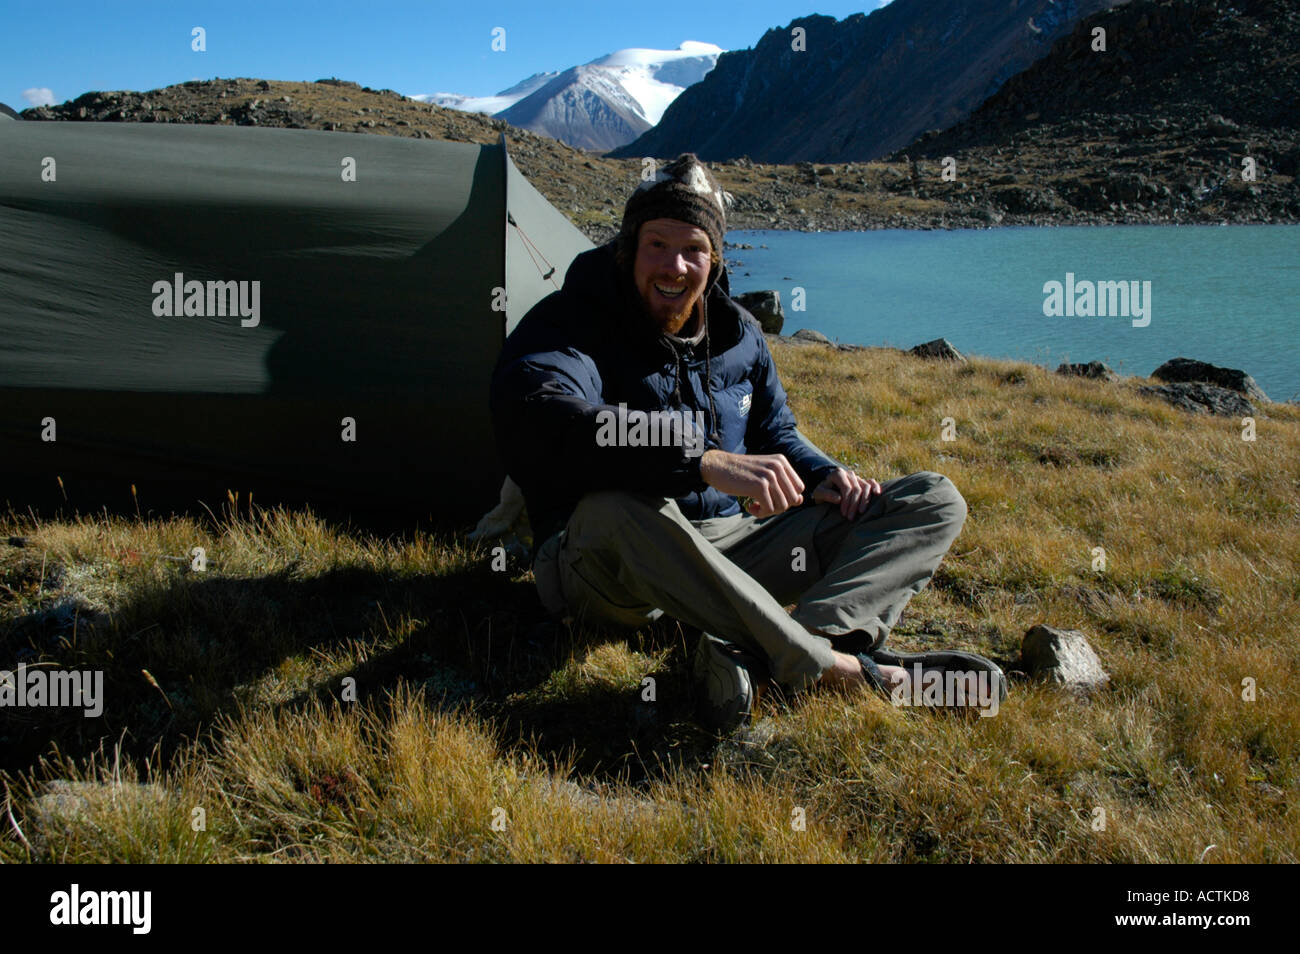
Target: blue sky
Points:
(72, 47)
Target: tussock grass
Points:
(321, 694)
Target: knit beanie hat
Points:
(683, 190)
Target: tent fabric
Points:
(371, 270)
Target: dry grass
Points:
(477, 735)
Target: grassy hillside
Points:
(479, 735)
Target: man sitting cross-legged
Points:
(631, 525)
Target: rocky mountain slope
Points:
(862, 86)
(1171, 60)
(1160, 122)
(583, 107)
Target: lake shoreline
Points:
(793, 340)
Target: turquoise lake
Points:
(1229, 295)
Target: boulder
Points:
(1126, 187)
(766, 307)
(1218, 126)
(1288, 163)
(1200, 398)
(63, 805)
(940, 349)
(1187, 369)
(614, 808)
(1093, 369)
(1062, 656)
(807, 334)
(1024, 200)
(1089, 196)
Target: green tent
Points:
(307, 316)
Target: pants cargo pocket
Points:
(588, 591)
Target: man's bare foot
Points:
(846, 673)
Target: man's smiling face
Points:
(673, 260)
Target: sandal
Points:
(871, 673)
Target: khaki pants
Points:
(627, 559)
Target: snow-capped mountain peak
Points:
(656, 77)
(598, 105)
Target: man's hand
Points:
(847, 489)
(766, 478)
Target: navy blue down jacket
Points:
(586, 349)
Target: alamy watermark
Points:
(1087, 299)
(39, 687)
(181, 298)
(664, 428)
(75, 906)
(950, 688)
